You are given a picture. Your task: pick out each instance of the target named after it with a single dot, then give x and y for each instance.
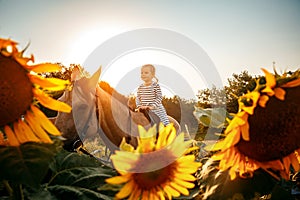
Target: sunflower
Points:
(157, 168)
(21, 89)
(265, 132)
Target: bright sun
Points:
(124, 69)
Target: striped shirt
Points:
(152, 96)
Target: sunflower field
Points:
(254, 152)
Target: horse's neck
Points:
(113, 93)
(117, 113)
(111, 108)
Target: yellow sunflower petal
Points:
(224, 161)
(231, 139)
(293, 83)
(185, 177)
(245, 132)
(169, 190)
(168, 194)
(294, 161)
(37, 129)
(126, 190)
(44, 121)
(178, 147)
(189, 150)
(48, 102)
(136, 193)
(279, 93)
(40, 68)
(187, 158)
(270, 78)
(276, 165)
(126, 147)
(238, 120)
(286, 163)
(54, 83)
(232, 173)
(7, 42)
(179, 188)
(152, 194)
(118, 179)
(27, 130)
(192, 165)
(19, 132)
(188, 170)
(23, 60)
(145, 195)
(164, 134)
(161, 195)
(184, 183)
(171, 136)
(142, 131)
(268, 90)
(123, 161)
(12, 139)
(125, 155)
(263, 100)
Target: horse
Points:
(98, 109)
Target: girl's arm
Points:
(137, 99)
(158, 95)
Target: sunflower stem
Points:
(8, 188)
(17, 192)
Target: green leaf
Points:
(42, 193)
(211, 117)
(79, 170)
(26, 164)
(70, 192)
(74, 176)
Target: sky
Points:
(235, 35)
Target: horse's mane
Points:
(112, 92)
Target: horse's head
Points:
(82, 120)
(84, 105)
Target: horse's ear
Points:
(95, 78)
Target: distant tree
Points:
(214, 97)
(237, 86)
(226, 97)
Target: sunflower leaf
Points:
(78, 170)
(70, 192)
(211, 117)
(58, 192)
(74, 176)
(26, 164)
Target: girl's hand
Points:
(145, 108)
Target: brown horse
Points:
(99, 110)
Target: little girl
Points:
(149, 95)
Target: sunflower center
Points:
(154, 168)
(155, 178)
(15, 90)
(274, 130)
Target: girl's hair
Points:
(152, 69)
